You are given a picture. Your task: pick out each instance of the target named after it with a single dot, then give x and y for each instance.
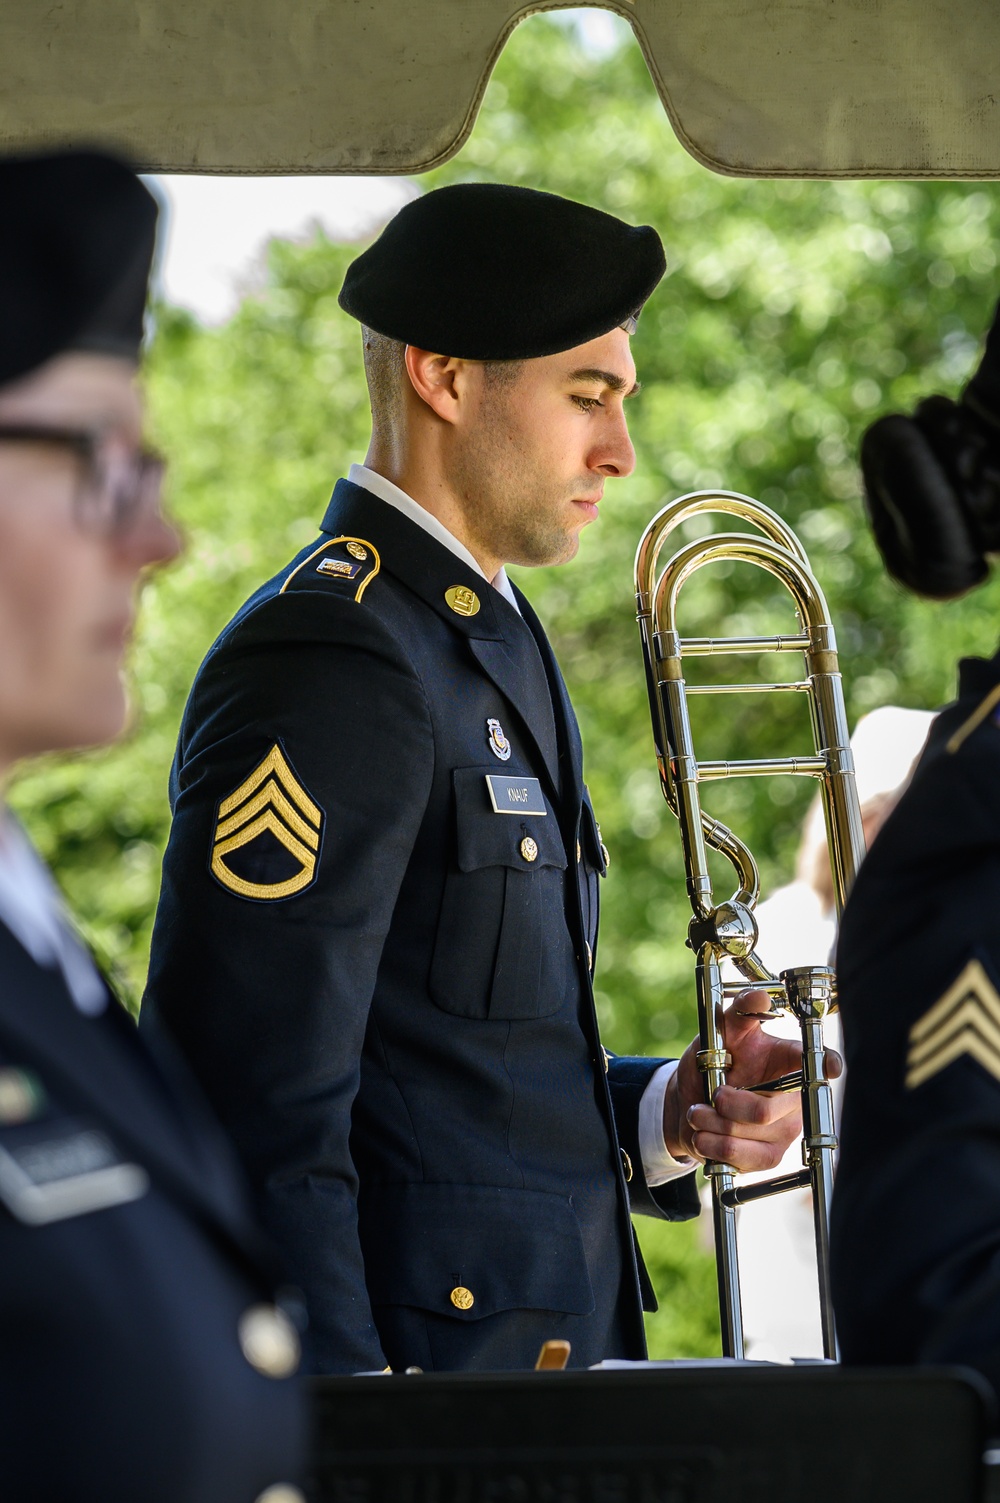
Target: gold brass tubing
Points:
(803, 686)
(698, 503)
(740, 547)
(812, 767)
(705, 647)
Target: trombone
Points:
(729, 928)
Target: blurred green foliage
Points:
(793, 314)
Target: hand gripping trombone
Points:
(730, 928)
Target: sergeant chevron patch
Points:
(267, 834)
(966, 1020)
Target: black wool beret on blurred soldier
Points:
(932, 484)
(485, 271)
(77, 231)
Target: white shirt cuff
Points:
(658, 1165)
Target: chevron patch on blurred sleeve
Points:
(267, 835)
(966, 1020)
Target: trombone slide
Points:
(729, 928)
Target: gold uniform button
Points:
(626, 1165)
(607, 1058)
(604, 854)
(590, 956)
(529, 849)
(462, 1298)
(269, 1341)
(463, 601)
(579, 852)
(281, 1492)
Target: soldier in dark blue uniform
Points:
(378, 920)
(916, 1217)
(142, 1355)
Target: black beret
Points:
(77, 231)
(485, 271)
(932, 484)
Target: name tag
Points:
(515, 795)
(66, 1174)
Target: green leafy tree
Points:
(793, 314)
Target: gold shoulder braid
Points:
(272, 828)
(344, 561)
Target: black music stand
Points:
(655, 1435)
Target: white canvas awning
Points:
(804, 88)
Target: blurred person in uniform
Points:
(142, 1356)
(916, 1214)
(798, 926)
(378, 920)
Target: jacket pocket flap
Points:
(486, 838)
(468, 1251)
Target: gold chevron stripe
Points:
(966, 1020)
(270, 799)
(972, 980)
(270, 796)
(968, 1041)
(266, 821)
(274, 765)
(968, 1014)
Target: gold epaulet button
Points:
(626, 1165)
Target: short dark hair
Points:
(385, 371)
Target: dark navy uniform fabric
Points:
(382, 983)
(916, 1216)
(127, 1261)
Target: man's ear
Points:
(439, 380)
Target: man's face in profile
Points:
(532, 463)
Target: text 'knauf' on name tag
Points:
(515, 795)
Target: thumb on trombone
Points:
(745, 1126)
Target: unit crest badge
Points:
(498, 743)
(267, 835)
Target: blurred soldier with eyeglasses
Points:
(142, 1354)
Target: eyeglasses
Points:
(119, 483)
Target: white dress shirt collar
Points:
(391, 494)
(32, 908)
